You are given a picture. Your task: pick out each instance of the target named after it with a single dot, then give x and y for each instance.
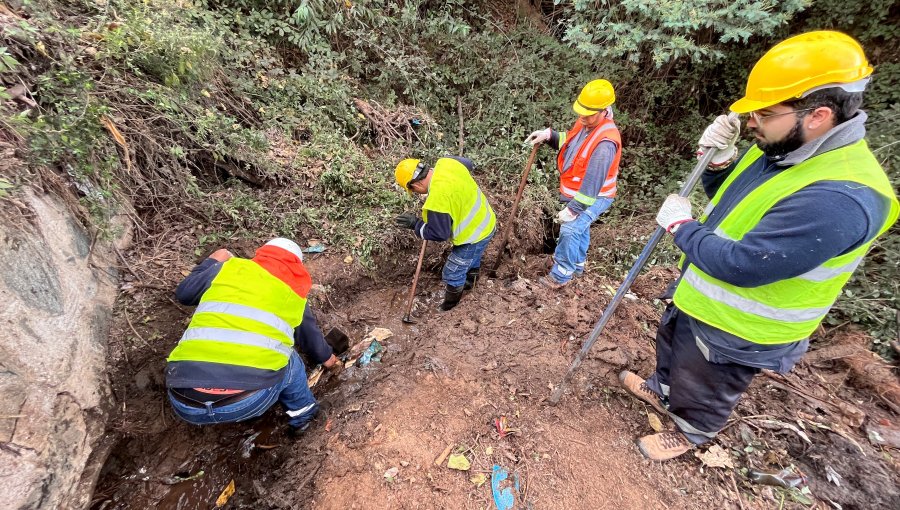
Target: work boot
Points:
(451, 297)
(548, 282)
(471, 278)
(664, 446)
(297, 426)
(638, 387)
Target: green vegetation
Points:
(242, 112)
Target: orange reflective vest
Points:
(570, 180)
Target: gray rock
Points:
(53, 385)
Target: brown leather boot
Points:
(638, 387)
(664, 446)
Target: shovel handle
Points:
(511, 221)
(412, 289)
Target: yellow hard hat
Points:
(404, 172)
(594, 98)
(802, 63)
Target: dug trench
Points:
(443, 382)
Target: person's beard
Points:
(791, 142)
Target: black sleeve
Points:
(468, 163)
(191, 289)
(553, 142)
(438, 228)
(309, 339)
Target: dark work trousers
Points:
(701, 394)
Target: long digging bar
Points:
(632, 275)
(412, 290)
(504, 239)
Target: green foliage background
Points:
(208, 92)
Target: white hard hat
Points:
(287, 244)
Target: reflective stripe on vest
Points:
(231, 336)
(788, 310)
(570, 178)
(247, 317)
(453, 191)
(246, 312)
(721, 295)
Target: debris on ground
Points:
(715, 456)
(501, 424)
(172, 480)
(391, 474)
(459, 462)
(503, 490)
(440, 459)
(315, 375)
(785, 478)
(372, 353)
(654, 421)
(478, 479)
(226, 494)
(883, 433)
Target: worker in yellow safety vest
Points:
(455, 210)
(788, 222)
(237, 358)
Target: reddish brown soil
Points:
(445, 379)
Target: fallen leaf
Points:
(226, 494)
(329, 424)
(715, 456)
(832, 476)
(391, 473)
(655, 422)
(348, 259)
(489, 450)
(478, 479)
(459, 462)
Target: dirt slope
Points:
(442, 382)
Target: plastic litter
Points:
(503, 428)
(785, 478)
(372, 353)
(316, 248)
(503, 491)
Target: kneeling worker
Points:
(237, 357)
(455, 210)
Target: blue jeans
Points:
(463, 258)
(574, 240)
(292, 391)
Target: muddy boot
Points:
(664, 446)
(638, 387)
(451, 297)
(471, 278)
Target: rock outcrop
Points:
(56, 298)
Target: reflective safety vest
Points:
(453, 191)
(787, 310)
(247, 317)
(570, 180)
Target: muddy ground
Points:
(443, 381)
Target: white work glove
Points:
(566, 215)
(723, 135)
(674, 211)
(540, 136)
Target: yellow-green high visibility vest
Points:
(246, 317)
(453, 191)
(788, 310)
